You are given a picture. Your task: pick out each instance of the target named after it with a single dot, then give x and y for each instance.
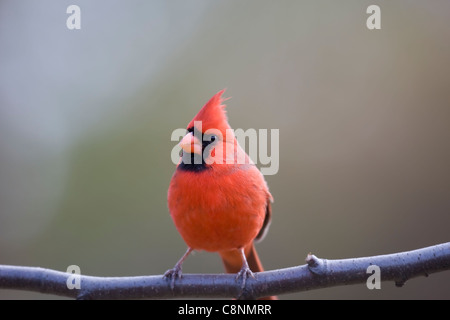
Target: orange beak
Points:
(191, 144)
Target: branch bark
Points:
(317, 273)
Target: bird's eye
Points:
(213, 138)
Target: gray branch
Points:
(317, 273)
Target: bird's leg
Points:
(175, 272)
(245, 271)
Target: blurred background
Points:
(86, 118)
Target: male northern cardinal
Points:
(218, 199)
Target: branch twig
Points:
(317, 273)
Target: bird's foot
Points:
(244, 273)
(173, 274)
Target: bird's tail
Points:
(232, 261)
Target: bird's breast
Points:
(217, 211)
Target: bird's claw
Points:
(244, 273)
(173, 274)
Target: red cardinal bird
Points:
(218, 199)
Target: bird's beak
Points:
(191, 144)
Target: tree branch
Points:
(317, 273)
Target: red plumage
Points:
(223, 206)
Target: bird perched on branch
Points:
(218, 199)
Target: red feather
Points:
(224, 207)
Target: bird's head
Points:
(207, 136)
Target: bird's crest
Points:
(213, 115)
